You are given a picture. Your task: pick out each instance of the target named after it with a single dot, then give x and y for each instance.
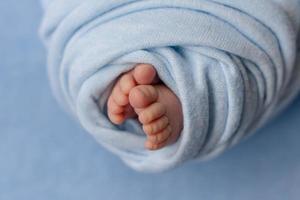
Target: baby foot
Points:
(159, 111)
(118, 107)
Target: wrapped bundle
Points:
(232, 64)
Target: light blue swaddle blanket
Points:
(232, 63)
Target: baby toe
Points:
(161, 136)
(113, 107)
(116, 118)
(156, 125)
(114, 112)
(152, 112)
(118, 96)
(155, 146)
(126, 83)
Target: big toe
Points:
(142, 95)
(145, 74)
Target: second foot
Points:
(159, 111)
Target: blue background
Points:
(46, 155)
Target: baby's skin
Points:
(140, 94)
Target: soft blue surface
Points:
(45, 155)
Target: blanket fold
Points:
(233, 64)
